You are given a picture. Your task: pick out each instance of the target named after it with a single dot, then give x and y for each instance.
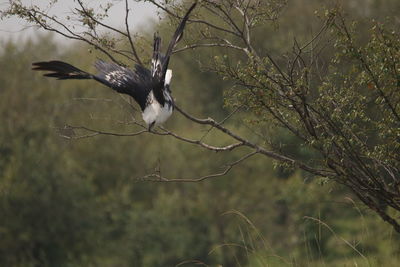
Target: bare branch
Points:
(71, 35)
(157, 177)
(260, 149)
(97, 132)
(193, 46)
(88, 14)
(200, 143)
(172, 14)
(129, 34)
(165, 132)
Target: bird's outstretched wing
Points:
(160, 62)
(61, 70)
(136, 83)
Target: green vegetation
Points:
(83, 202)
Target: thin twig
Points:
(128, 32)
(156, 177)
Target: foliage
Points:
(346, 114)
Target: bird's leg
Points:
(151, 125)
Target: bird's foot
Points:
(151, 126)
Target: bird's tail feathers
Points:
(61, 70)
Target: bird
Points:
(150, 88)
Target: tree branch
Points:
(260, 149)
(129, 34)
(157, 177)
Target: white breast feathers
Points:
(156, 113)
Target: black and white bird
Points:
(149, 88)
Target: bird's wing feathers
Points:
(61, 70)
(176, 38)
(136, 83)
(160, 62)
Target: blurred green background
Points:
(81, 202)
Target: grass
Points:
(373, 244)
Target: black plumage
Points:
(149, 88)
